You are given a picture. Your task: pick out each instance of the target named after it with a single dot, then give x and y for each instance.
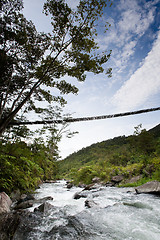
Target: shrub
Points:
(22, 169)
(85, 175)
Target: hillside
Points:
(92, 154)
(155, 131)
(129, 156)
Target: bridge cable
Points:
(81, 119)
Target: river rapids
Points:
(114, 214)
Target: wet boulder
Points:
(44, 207)
(28, 224)
(72, 229)
(43, 200)
(90, 203)
(28, 202)
(20, 225)
(152, 187)
(8, 225)
(91, 189)
(81, 194)
(24, 205)
(5, 203)
(110, 184)
(92, 186)
(70, 185)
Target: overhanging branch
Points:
(70, 120)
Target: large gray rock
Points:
(149, 187)
(28, 202)
(5, 203)
(19, 225)
(117, 178)
(24, 205)
(8, 225)
(44, 207)
(81, 194)
(27, 222)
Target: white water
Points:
(117, 215)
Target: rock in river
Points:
(149, 187)
(90, 203)
(44, 207)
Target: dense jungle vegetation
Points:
(136, 155)
(24, 166)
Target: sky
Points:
(134, 38)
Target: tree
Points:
(33, 63)
(142, 140)
(53, 132)
(17, 133)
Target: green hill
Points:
(129, 156)
(155, 131)
(92, 154)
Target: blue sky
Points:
(134, 37)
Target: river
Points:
(116, 214)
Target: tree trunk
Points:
(4, 123)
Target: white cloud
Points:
(131, 23)
(128, 49)
(144, 83)
(135, 20)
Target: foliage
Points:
(24, 167)
(85, 175)
(155, 131)
(17, 133)
(126, 156)
(142, 140)
(136, 184)
(32, 63)
(53, 133)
